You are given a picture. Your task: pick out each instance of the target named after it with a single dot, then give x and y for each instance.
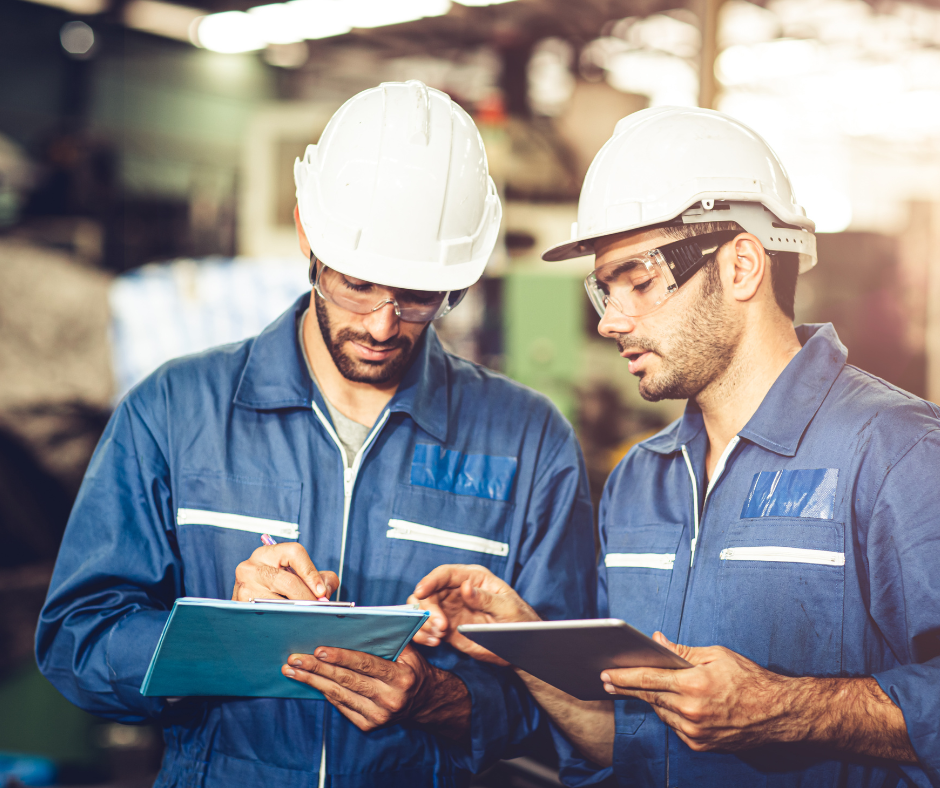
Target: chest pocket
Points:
(781, 584)
(639, 564)
(219, 522)
(429, 527)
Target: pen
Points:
(267, 540)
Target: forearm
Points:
(853, 715)
(589, 725)
(446, 706)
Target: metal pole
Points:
(931, 230)
(708, 24)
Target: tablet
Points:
(571, 655)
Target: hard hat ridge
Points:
(397, 190)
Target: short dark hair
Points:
(784, 266)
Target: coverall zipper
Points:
(349, 483)
(719, 469)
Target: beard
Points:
(697, 351)
(363, 370)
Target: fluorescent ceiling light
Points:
(295, 21)
(320, 18)
(230, 32)
(378, 13)
(161, 19)
(78, 7)
(277, 23)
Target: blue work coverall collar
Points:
(790, 405)
(275, 376)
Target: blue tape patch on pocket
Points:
(803, 493)
(479, 475)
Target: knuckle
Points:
(383, 717)
(690, 712)
(694, 716)
(690, 730)
(345, 679)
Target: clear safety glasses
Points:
(356, 295)
(640, 283)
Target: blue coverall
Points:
(242, 430)
(817, 554)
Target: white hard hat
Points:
(690, 165)
(397, 191)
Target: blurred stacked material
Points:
(55, 390)
(160, 312)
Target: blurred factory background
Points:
(146, 191)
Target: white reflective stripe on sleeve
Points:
(238, 522)
(793, 555)
(414, 532)
(640, 560)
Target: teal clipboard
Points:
(220, 647)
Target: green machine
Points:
(544, 331)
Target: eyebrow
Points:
(615, 269)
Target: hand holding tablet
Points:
(482, 616)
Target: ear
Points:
(301, 235)
(746, 266)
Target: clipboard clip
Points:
(301, 602)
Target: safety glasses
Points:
(361, 297)
(640, 283)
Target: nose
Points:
(383, 324)
(615, 323)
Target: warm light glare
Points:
(230, 32)
(161, 19)
(830, 209)
(286, 55)
(666, 79)
(768, 61)
(79, 7)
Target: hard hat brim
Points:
(747, 213)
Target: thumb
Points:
(676, 648)
(500, 607)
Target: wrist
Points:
(809, 709)
(443, 702)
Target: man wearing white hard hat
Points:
(782, 536)
(368, 452)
